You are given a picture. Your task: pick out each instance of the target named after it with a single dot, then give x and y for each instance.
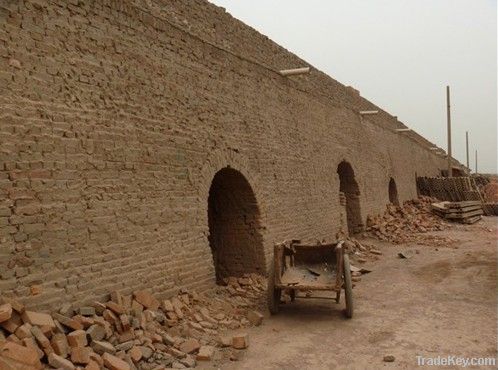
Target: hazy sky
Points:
(401, 55)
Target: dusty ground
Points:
(442, 301)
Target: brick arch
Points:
(350, 190)
(229, 186)
(393, 192)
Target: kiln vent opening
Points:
(234, 225)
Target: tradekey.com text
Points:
(456, 361)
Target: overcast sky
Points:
(401, 55)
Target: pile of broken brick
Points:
(133, 331)
(401, 224)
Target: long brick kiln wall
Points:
(114, 122)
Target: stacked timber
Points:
(467, 212)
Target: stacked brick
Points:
(132, 332)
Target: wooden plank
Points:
(456, 210)
(462, 204)
(308, 287)
(471, 220)
(463, 215)
(317, 246)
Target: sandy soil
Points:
(442, 301)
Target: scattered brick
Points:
(114, 363)
(66, 321)
(240, 341)
(135, 354)
(96, 332)
(13, 323)
(5, 312)
(41, 338)
(225, 341)
(60, 363)
(38, 318)
(23, 331)
(87, 311)
(190, 346)
(77, 338)
(31, 343)
(167, 306)
(81, 355)
(146, 299)
(102, 347)
(114, 307)
(16, 305)
(92, 365)
(21, 354)
(205, 353)
(60, 345)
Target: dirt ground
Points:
(442, 301)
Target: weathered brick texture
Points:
(117, 115)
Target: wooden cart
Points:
(305, 267)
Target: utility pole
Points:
(467, 148)
(448, 114)
(476, 162)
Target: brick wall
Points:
(116, 116)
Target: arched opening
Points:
(234, 225)
(393, 192)
(349, 187)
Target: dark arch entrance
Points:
(349, 187)
(393, 192)
(234, 225)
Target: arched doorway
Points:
(349, 187)
(393, 192)
(234, 225)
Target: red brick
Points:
(60, 345)
(114, 363)
(5, 312)
(24, 331)
(13, 323)
(38, 318)
(205, 353)
(40, 338)
(114, 307)
(146, 299)
(86, 322)
(97, 359)
(81, 355)
(16, 305)
(190, 346)
(21, 354)
(77, 338)
(240, 341)
(92, 365)
(60, 363)
(66, 321)
(135, 354)
(31, 343)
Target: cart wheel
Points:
(348, 287)
(273, 294)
